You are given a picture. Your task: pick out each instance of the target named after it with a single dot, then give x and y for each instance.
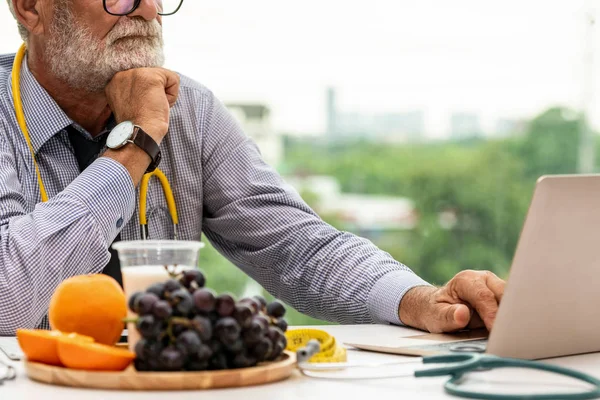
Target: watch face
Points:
(119, 135)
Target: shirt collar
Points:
(43, 116)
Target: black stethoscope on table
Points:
(20, 115)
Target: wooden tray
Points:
(130, 379)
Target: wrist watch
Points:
(128, 132)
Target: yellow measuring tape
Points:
(329, 352)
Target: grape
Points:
(133, 301)
(281, 324)
(148, 350)
(152, 351)
(283, 341)
(204, 353)
(158, 289)
(275, 309)
(261, 300)
(203, 326)
(262, 349)
(214, 345)
(252, 303)
(254, 333)
(141, 349)
(182, 301)
(193, 276)
(243, 315)
(171, 285)
(204, 300)
(218, 361)
(264, 322)
(149, 327)
(250, 339)
(275, 334)
(145, 302)
(227, 330)
(178, 329)
(199, 278)
(141, 365)
(277, 350)
(211, 332)
(242, 360)
(213, 317)
(171, 359)
(196, 365)
(188, 342)
(235, 347)
(225, 305)
(162, 309)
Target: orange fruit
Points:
(90, 305)
(41, 345)
(77, 354)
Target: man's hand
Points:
(469, 300)
(144, 96)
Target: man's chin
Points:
(139, 61)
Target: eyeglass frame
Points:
(136, 4)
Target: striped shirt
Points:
(223, 189)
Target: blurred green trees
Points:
(485, 185)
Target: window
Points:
(419, 125)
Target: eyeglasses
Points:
(124, 7)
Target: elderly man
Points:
(91, 79)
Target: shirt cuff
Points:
(386, 294)
(108, 192)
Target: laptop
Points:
(551, 303)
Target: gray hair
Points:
(22, 30)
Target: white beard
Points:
(85, 63)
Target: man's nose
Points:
(147, 9)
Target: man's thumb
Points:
(454, 317)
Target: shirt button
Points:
(120, 223)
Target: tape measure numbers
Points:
(328, 350)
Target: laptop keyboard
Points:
(472, 345)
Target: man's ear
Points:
(30, 14)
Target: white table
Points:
(301, 387)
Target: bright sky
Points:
(496, 58)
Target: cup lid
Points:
(158, 245)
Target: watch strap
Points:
(146, 143)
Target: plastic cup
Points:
(145, 262)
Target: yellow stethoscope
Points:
(20, 114)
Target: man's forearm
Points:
(68, 235)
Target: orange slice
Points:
(93, 356)
(40, 345)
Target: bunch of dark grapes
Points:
(186, 326)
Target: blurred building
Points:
(255, 120)
(509, 127)
(465, 125)
(386, 127)
(356, 212)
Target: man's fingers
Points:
(171, 86)
(480, 297)
(476, 322)
(496, 285)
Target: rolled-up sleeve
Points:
(265, 228)
(67, 235)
